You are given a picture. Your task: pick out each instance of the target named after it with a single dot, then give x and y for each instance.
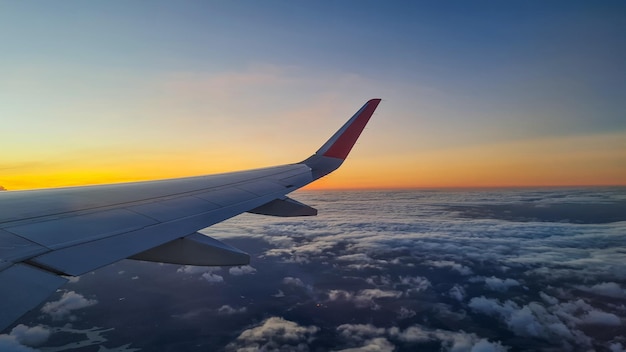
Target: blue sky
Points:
(453, 75)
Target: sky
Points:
(475, 94)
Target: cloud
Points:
(555, 322)
(274, 334)
(359, 331)
(22, 338)
(608, 289)
(192, 269)
(30, 336)
(212, 278)
(379, 344)
(457, 292)
(461, 269)
(450, 340)
(601, 318)
(406, 313)
(72, 279)
(364, 298)
(228, 310)
(495, 284)
(241, 270)
(371, 338)
(415, 284)
(69, 302)
(293, 281)
(549, 277)
(9, 343)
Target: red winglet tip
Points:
(342, 146)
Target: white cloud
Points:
(496, 284)
(69, 301)
(192, 269)
(616, 347)
(483, 345)
(379, 344)
(30, 336)
(416, 284)
(608, 289)
(241, 270)
(405, 313)
(363, 298)
(548, 299)
(228, 310)
(72, 279)
(557, 321)
(461, 269)
(294, 281)
(9, 343)
(457, 292)
(212, 278)
(274, 334)
(450, 340)
(359, 331)
(601, 318)
(556, 257)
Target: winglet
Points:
(340, 144)
(332, 154)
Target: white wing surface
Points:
(51, 233)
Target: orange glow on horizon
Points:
(571, 161)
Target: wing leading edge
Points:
(71, 231)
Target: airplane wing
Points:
(48, 234)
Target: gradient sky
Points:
(483, 93)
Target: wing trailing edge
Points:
(195, 249)
(285, 207)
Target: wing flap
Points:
(195, 249)
(23, 288)
(285, 207)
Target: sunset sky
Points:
(475, 94)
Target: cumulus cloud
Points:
(192, 269)
(294, 281)
(406, 313)
(212, 278)
(22, 338)
(241, 270)
(359, 331)
(379, 344)
(457, 292)
(600, 318)
(556, 321)
(30, 336)
(274, 334)
(450, 340)
(363, 298)
(371, 338)
(69, 302)
(9, 343)
(492, 256)
(608, 289)
(496, 284)
(228, 310)
(461, 269)
(415, 283)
